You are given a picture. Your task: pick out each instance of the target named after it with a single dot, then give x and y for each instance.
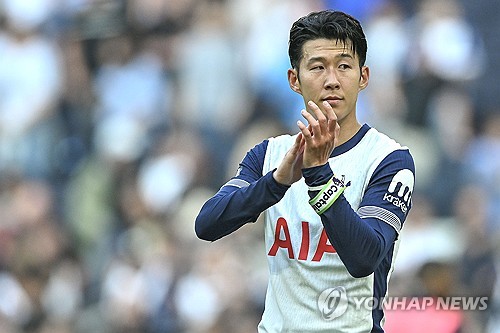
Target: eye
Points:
(344, 66)
(317, 67)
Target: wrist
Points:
(317, 175)
(279, 179)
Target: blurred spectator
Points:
(33, 267)
(360, 9)
(31, 78)
(446, 49)
(426, 238)
(211, 99)
(388, 51)
(440, 280)
(153, 15)
(477, 271)
(484, 16)
(437, 280)
(451, 124)
(266, 59)
(169, 170)
(482, 167)
(132, 98)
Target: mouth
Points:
(333, 100)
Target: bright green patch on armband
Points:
(328, 194)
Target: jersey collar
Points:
(351, 142)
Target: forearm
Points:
(360, 243)
(232, 207)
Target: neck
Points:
(347, 131)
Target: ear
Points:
(365, 77)
(293, 80)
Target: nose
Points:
(331, 80)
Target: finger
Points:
(329, 113)
(337, 129)
(320, 115)
(333, 127)
(297, 144)
(323, 115)
(332, 117)
(298, 139)
(301, 144)
(313, 123)
(314, 128)
(307, 135)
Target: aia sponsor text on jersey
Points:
(283, 242)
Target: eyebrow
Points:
(341, 55)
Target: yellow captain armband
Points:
(327, 195)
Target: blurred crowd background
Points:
(118, 119)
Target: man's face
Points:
(329, 70)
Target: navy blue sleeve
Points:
(362, 239)
(241, 199)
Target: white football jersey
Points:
(302, 262)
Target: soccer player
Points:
(334, 195)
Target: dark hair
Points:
(326, 24)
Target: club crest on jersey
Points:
(400, 190)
